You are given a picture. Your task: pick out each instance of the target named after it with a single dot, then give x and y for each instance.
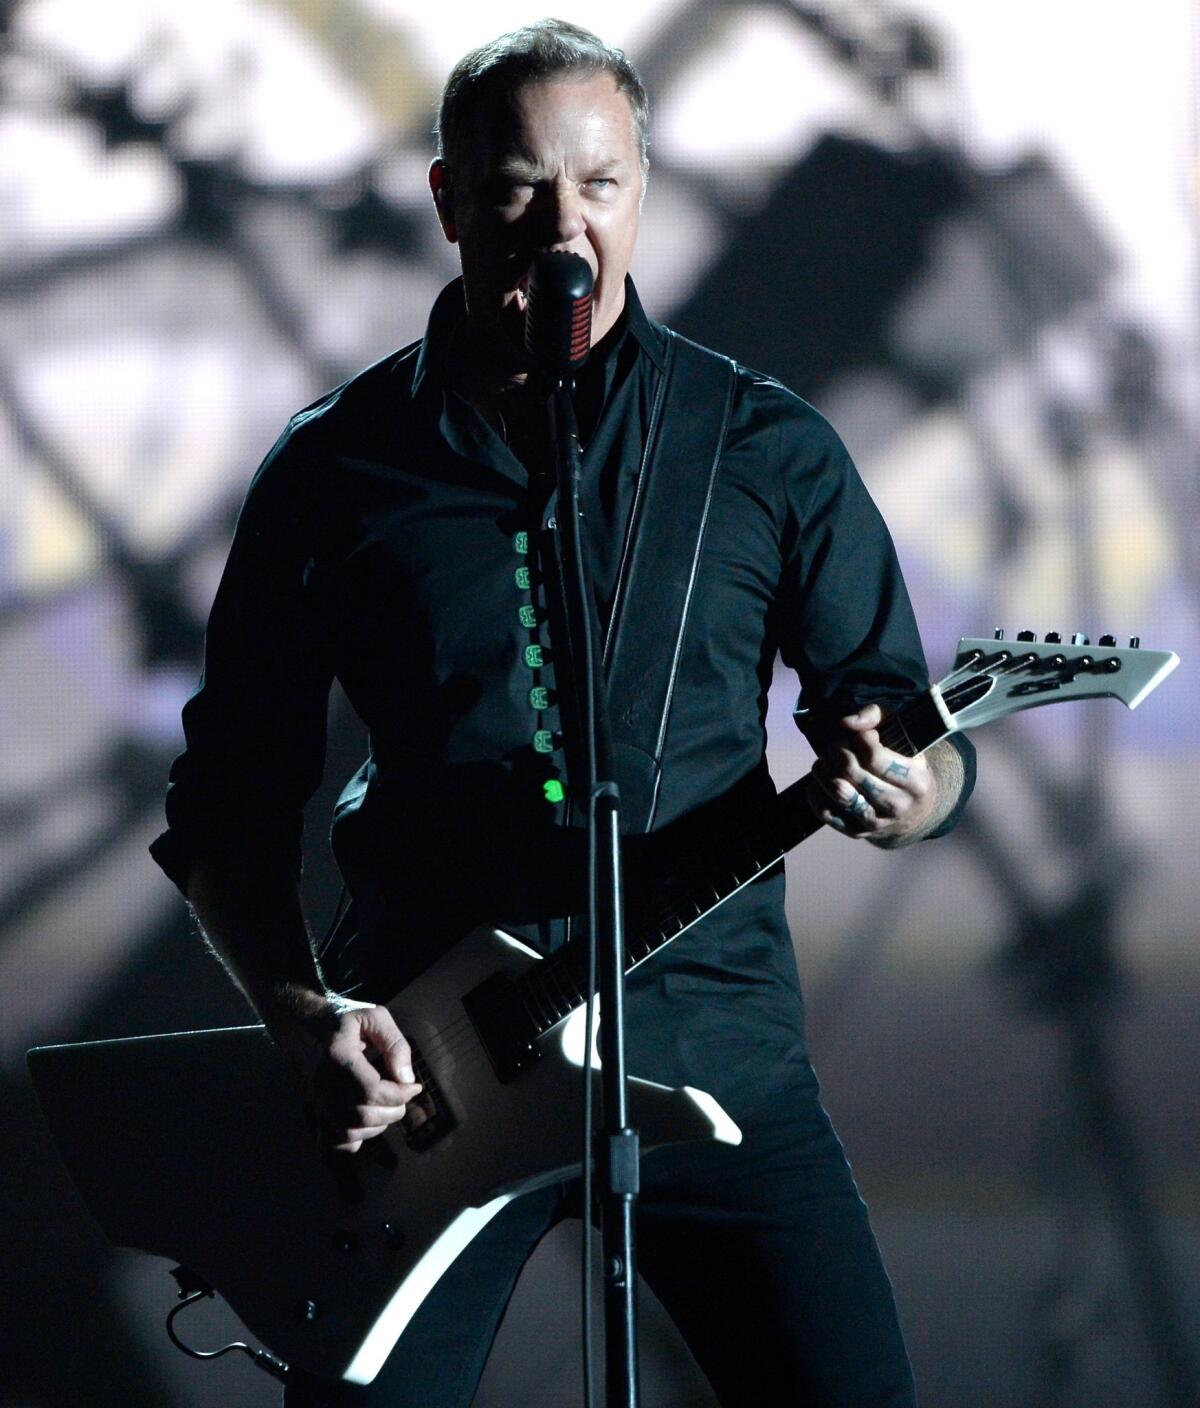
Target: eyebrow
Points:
(518, 166)
(523, 168)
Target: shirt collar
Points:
(450, 308)
(648, 334)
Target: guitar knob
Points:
(1053, 638)
(998, 633)
(1107, 640)
(1134, 642)
(1079, 639)
(1026, 635)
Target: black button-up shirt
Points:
(393, 539)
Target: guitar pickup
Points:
(507, 1029)
(427, 1116)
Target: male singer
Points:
(396, 537)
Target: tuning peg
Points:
(1026, 635)
(1107, 640)
(998, 633)
(1079, 639)
(1134, 642)
(1053, 638)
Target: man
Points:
(398, 537)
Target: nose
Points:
(564, 215)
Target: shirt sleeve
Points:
(845, 622)
(255, 728)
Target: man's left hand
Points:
(864, 790)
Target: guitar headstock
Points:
(992, 678)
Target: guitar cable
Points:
(193, 1289)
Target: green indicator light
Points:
(533, 657)
(522, 578)
(520, 542)
(543, 741)
(539, 697)
(553, 790)
(528, 617)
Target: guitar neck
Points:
(990, 680)
(551, 989)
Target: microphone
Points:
(558, 314)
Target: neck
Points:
(483, 363)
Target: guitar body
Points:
(199, 1146)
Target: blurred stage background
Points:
(968, 234)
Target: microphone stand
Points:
(616, 1149)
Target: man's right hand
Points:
(354, 1059)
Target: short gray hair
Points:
(547, 49)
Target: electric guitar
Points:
(199, 1145)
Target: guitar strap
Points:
(659, 564)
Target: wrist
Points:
(284, 1003)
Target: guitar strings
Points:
(453, 1039)
(447, 1038)
(655, 932)
(462, 1030)
(674, 918)
(667, 924)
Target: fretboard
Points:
(551, 990)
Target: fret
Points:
(550, 1005)
(521, 986)
(536, 983)
(545, 1012)
(920, 725)
(561, 1005)
(542, 1006)
(572, 988)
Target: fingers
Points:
(841, 806)
(870, 716)
(380, 1031)
(359, 1100)
(863, 788)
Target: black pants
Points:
(762, 1254)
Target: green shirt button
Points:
(520, 542)
(543, 741)
(533, 657)
(553, 790)
(528, 617)
(521, 576)
(539, 697)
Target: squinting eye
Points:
(511, 192)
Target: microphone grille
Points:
(558, 318)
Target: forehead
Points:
(584, 114)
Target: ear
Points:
(439, 184)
